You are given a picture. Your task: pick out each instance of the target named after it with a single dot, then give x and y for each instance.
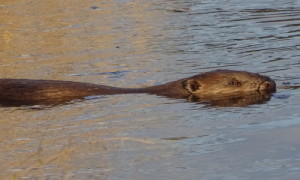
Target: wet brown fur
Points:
(209, 84)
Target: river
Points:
(137, 43)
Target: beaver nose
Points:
(268, 85)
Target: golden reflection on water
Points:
(61, 141)
(49, 40)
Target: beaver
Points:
(208, 85)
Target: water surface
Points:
(135, 43)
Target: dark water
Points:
(131, 43)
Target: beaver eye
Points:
(234, 83)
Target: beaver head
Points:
(228, 82)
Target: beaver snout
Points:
(268, 85)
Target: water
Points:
(131, 43)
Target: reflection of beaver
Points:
(209, 85)
(235, 100)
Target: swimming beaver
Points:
(209, 85)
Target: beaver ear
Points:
(191, 85)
